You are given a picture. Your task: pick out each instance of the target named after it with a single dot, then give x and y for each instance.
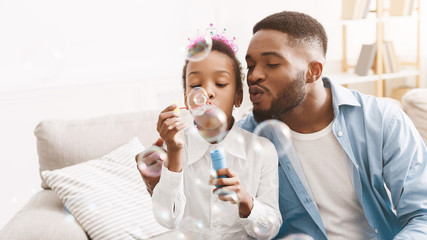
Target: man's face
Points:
(276, 74)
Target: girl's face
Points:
(216, 75)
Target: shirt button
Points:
(340, 134)
(376, 230)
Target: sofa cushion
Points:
(107, 195)
(414, 103)
(43, 217)
(61, 143)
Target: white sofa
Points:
(64, 143)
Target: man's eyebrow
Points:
(272, 54)
(275, 54)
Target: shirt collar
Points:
(233, 144)
(340, 95)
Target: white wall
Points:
(79, 59)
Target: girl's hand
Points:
(169, 125)
(232, 183)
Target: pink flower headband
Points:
(199, 42)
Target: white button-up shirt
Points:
(185, 199)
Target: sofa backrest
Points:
(62, 143)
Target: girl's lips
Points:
(255, 93)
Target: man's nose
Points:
(256, 75)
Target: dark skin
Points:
(215, 74)
(273, 63)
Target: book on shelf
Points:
(390, 60)
(354, 9)
(366, 59)
(401, 7)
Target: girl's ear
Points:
(185, 99)
(238, 98)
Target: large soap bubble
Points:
(197, 99)
(212, 124)
(264, 227)
(199, 47)
(277, 132)
(150, 161)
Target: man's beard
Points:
(287, 100)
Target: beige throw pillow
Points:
(107, 195)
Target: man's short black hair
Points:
(301, 28)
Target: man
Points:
(346, 147)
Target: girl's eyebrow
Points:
(194, 72)
(218, 71)
(223, 71)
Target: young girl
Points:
(181, 199)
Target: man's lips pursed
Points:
(255, 93)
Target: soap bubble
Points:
(212, 177)
(229, 195)
(298, 236)
(162, 212)
(225, 209)
(197, 100)
(277, 132)
(212, 124)
(211, 121)
(150, 161)
(199, 47)
(264, 227)
(69, 218)
(203, 183)
(193, 223)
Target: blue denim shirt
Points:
(382, 147)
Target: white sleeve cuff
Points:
(264, 217)
(256, 213)
(170, 181)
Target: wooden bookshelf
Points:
(379, 76)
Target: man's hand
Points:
(232, 183)
(150, 180)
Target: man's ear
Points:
(238, 98)
(315, 69)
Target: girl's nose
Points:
(211, 93)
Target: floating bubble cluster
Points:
(210, 120)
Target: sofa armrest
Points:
(43, 217)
